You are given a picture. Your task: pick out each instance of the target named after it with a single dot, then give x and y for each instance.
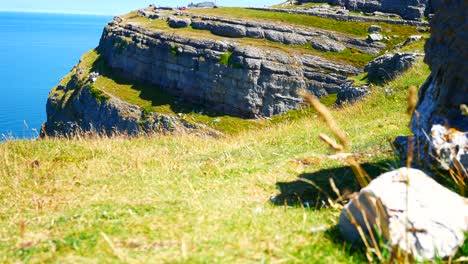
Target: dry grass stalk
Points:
(331, 143)
(326, 115)
(412, 100)
(410, 152)
(375, 245)
(361, 175)
(334, 188)
(363, 236)
(116, 252)
(464, 109)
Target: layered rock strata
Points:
(290, 35)
(76, 109)
(408, 9)
(224, 76)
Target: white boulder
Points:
(409, 210)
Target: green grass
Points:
(225, 58)
(191, 199)
(351, 28)
(416, 45)
(302, 6)
(98, 94)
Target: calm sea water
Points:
(36, 51)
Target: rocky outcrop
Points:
(445, 94)
(84, 110)
(389, 66)
(224, 76)
(410, 211)
(321, 39)
(150, 13)
(349, 94)
(178, 22)
(374, 29)
(327, 44)
(409, 40)
(408, 9)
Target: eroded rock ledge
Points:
(225, 76)
(236, 67)
(286, 34)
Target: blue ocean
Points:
(36, 51)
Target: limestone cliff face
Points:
(85, 113)
(223, 76)
(77, 108)
(207, 69)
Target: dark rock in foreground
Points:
(439, 113)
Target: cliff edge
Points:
(154, 69)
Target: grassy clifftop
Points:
(190, 199)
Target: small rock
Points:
(149, 14)
(409, 210)
(179, 22)
(350, 94)
(388, 66)
(229, 30)
(374, 28)
(448, 147)
(93, 77)
(374, 37)
(412, 38)
(421, 29)
(327, 44)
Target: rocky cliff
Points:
(440, 123)
(407, 9)
(240, 67)
(75, 107)
(250, 82)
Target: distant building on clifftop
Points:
(203, 5)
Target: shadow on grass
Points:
(314, 189)
(364, 79)
(148, 92)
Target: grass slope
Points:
(189, 199)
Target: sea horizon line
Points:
(56, 12)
